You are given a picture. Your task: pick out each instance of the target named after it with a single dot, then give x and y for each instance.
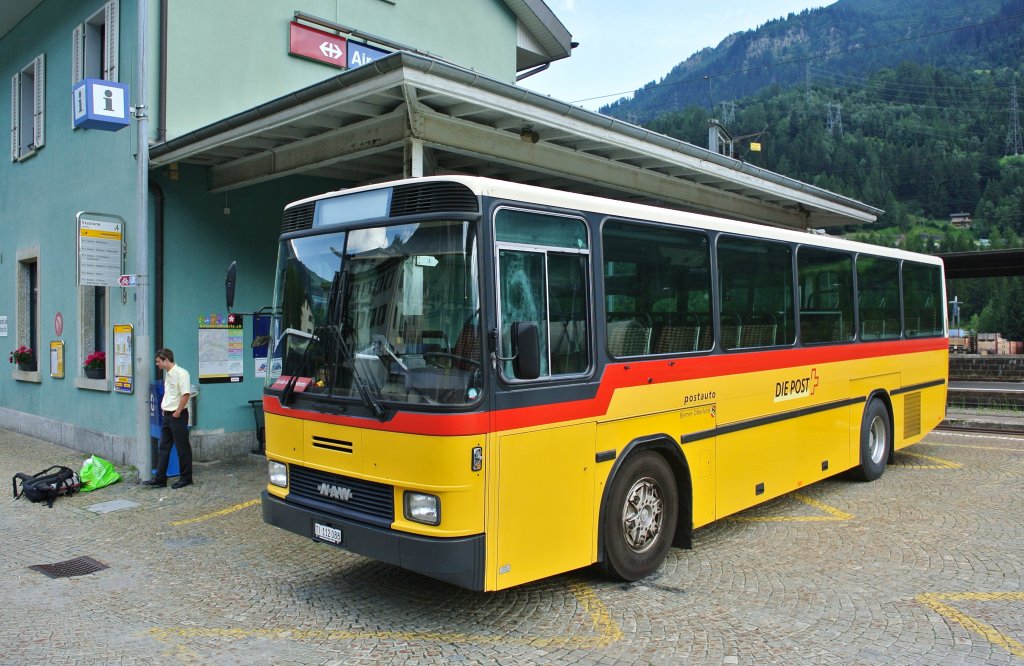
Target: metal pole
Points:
(143, 353)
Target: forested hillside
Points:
(912, 113)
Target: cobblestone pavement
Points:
(923, 566)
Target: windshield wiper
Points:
(362, 385)
(335, 304)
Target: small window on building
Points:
(94, 45)
(28, 109)
(28, 301)
(93, 309)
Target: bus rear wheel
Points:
(875, 441)
(640, 518)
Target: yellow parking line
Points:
(934, 600)
(216, 514)
(939, 462)
(607, 631)
(832, 513)
(972, 446)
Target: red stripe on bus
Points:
(617, 376)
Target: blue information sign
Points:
(99, 104)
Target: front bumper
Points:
(459, 561)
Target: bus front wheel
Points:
(640, 518)
(875, 441)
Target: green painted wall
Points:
(199, 242)
(230, 55)
(75, 170)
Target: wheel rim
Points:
(878, 439)
(642, 515)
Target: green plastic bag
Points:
(97, 473)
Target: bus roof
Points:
(570, 201)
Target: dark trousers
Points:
(174, 431)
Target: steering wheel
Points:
(434, 357)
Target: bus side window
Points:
(826, 279)
(756, 299)
(657, 283)
(543, 269)
(922, 300)
(878, 281)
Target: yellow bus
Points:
(490, 383)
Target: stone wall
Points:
(976, 368)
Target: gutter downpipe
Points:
(161, 128)
(143, 345)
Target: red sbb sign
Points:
(317, 45)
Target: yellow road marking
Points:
(607, 632)
(605, 627)
(217, 514)
(832, 513)
(972, 446)
(939, 462)
(934, 600)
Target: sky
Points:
(624, 44)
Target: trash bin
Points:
(156, 421)
(261, 430)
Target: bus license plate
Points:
(326, 533)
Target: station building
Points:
(153, 142)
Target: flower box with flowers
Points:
(95, 365)
(25, 358)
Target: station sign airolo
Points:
(328, 48)
(317, 45)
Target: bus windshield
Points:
(387, 314)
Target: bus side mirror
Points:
(525, 350)
(229, 285)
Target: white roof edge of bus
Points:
(502, 189)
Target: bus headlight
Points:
(277, 473)
(422, 508)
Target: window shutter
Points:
(15, 115)
(77, 61)
(112, 42)
(39, 116)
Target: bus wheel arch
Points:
(877, 437)
(645, 508)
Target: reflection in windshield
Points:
(392, 312)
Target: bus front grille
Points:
(353, 497)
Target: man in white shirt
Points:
(174, 431)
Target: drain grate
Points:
(79, 566)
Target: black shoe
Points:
(181, 484)
(154, 483)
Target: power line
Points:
(792, 61)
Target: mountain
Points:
(914, 106)
(849, 37)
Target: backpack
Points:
(47, 485)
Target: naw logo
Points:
(797, 387)
(335, 492)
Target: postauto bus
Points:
(489, 383)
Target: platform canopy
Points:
(984, 263)
(409, 115)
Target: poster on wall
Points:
(57, 359)
(124, 371)
(260, 344)
(220, 349)
(100, 249)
